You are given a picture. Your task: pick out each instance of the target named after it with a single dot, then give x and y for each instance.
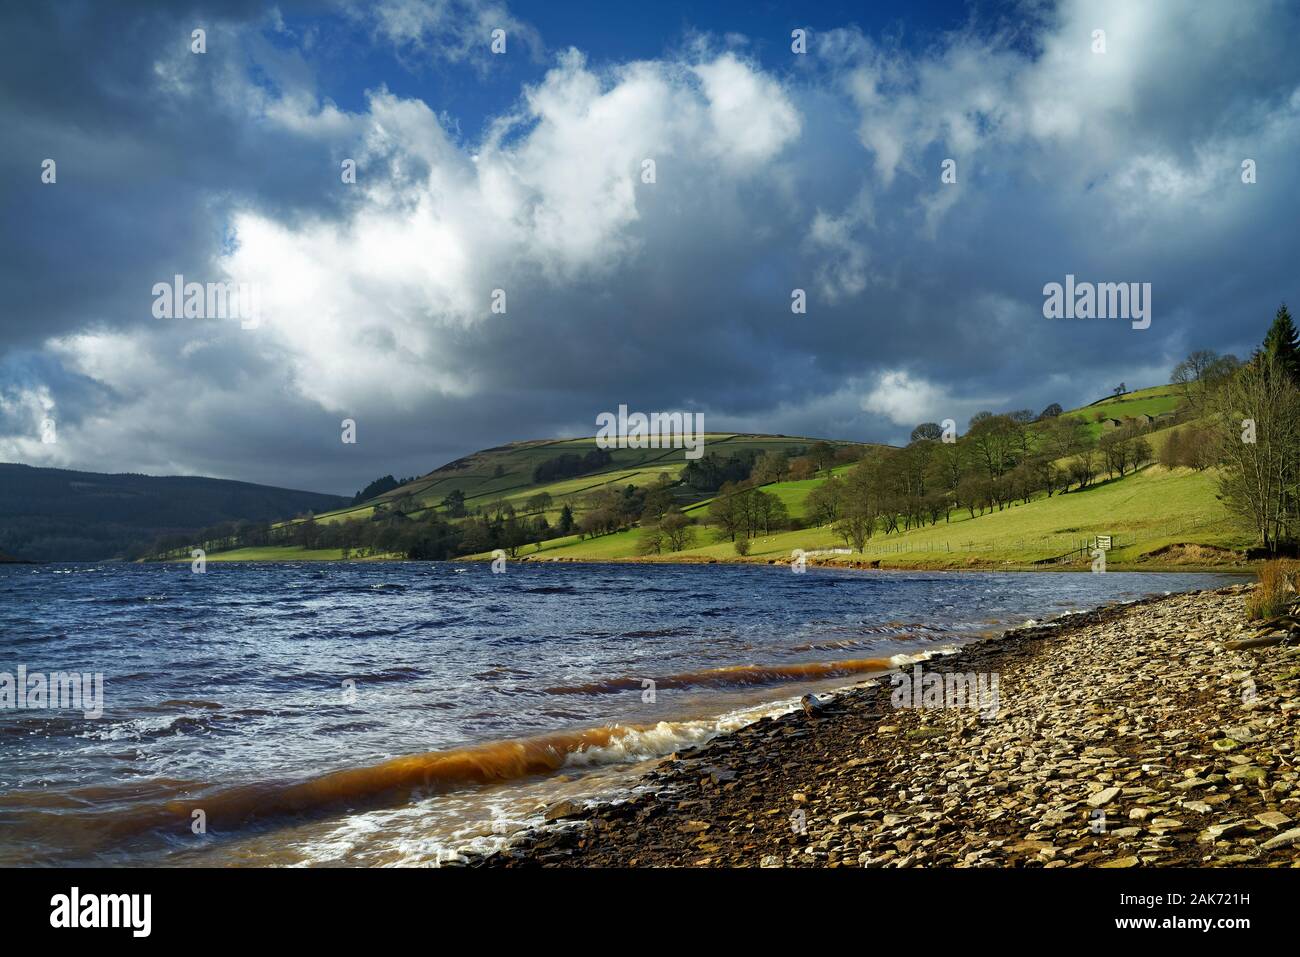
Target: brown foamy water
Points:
(393, 714)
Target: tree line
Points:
(1240, 418)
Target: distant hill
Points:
(507, 473)
(61, 515)
(1157, 516)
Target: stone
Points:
(563, 809)
(1248, 774)
(1273, 819)
(1285, 839)
(1103, 797)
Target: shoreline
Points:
(1124, 737)
(1241, 566)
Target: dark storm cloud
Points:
(924, 299)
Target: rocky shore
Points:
(1125, 737)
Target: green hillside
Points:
(1156, 401)
(505, 474)
(1146, 513)
(1155, 515)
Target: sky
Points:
(617, 209)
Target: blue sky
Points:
(524, 172)
(612, 33)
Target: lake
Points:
(395, 713)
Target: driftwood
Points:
(1273, 631)
(1264, 641)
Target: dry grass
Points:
(1279, 580)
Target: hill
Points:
(563, 499)
(1156, 515)
(505, 474)
(63, 515)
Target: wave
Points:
(85, 821)
(91, 818)
(734, 675)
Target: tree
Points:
(1045, 474)
(454, 503)
(1051, 412)
(948, 465)
(657, 503)
(801, 469)
(651, 541)
(1115, 448)
(770, 467)
(1063, 436)
(539, 502)
(513, 535)
(1261, 467)
(677, 530)
(1282, 344)
(1120, 389)
(972, 494)
(861, 501)
(727, 513)
(929, 431)
(598, 521)
(378, 487)
(823, 502)
(856, 524)
(742, 547)
(565, 526)
(822, 455)
(1083, 467)
(1200, 374)
(767, 510)
(993, 438)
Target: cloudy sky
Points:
(525, 171)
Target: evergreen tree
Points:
(1283, 344)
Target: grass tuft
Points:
(1279, 581)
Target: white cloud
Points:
(905, 400)
(365, 308)
(451, 30)
(825, 177)
(751, 118)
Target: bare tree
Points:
(1200, 374)
(1257, 418)
(677, 530)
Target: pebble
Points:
(1131, 713)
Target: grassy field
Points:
(1154, 401)
(506, 473)
(1156, 517)
(1145, 513)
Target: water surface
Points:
(364, 713)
